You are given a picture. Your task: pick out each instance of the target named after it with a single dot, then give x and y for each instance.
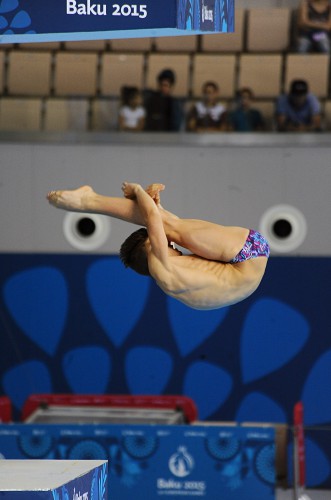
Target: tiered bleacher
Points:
(76, 85)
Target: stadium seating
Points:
(90, 74)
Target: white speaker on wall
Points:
(86, 232)
(285, 228)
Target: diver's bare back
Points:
(206, 284)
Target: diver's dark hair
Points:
(133, 253)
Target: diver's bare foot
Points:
(73, 200)
(154, 192)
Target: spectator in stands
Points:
(245, 118)
(299, 111)
(131, 116)
(207, 115)
(163, 111)
(314, 25)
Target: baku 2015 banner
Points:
(59, 20)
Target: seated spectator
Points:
(207, 115)
(131, 116)
(245, 118)
(299, 111)
(314, 24)
(163, 111)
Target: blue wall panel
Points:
(153, 461)
(84, 324)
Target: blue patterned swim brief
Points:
(255, 246)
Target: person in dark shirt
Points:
(245, 118)
(163, 111)
(314, 24)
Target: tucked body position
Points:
(225, 265)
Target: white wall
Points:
(216, 178)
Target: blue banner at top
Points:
(48, 20)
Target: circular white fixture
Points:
(86, 231)
(285, 228)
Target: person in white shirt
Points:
(131, 116)
(207, 115)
